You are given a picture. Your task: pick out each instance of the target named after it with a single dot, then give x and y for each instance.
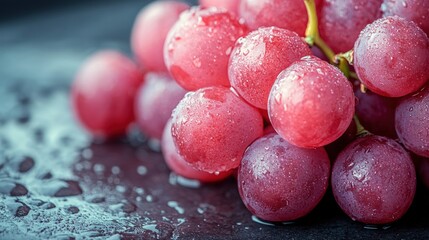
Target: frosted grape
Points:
(179, 165)
(150, 30)
(287, 14)
(156, 99)
(103, 93)
(212, 127)
(311, 103)
(198, 47)
(391, 57)
(259, 57)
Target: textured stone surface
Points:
(75, 188)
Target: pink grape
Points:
(413, 10)
(150, 30)
(374, 180)
(212, 127)
(412, 122)
(155, 101)
(311, 103)
(198, 46)
(179, 165)
(259, 57)
(287, 14)
(278, 181)
(342, 20)
(230, 5)
(391, 57)
(103, 93)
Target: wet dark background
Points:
(55, 182)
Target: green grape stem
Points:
(347, 56)
(361, 131)
(312, 36)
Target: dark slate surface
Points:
(55, 182)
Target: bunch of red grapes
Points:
(291, 96)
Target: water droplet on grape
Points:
(228, 51)
(246, 51)
(197, 62)
(278, 98)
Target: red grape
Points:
(424, 171)
(179, 165)
(287, 14)
(230, 5)
(269, 129)
(281, 182)
(150, 30)
(374, 180)
(391, 57)
(342, 20)
(103, 93)
(212, 127)
(413, 10)
(334, 148)
(156, 99)
(259, 57)
(311, 103)
(198, 46)
(412, 122)
(376, 113)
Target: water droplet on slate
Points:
(175, 206)
(23, 210)
(116, 170)
(12, 188)
(49, 205)
(18, 190)
(26, 164)
(73, 210)
(129, 207)
(48, 175)
(260, 221)
(72, 189)
(97, 199)
(23, 118)
(141, 170)
(161, 230)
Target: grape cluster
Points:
(252, 87)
